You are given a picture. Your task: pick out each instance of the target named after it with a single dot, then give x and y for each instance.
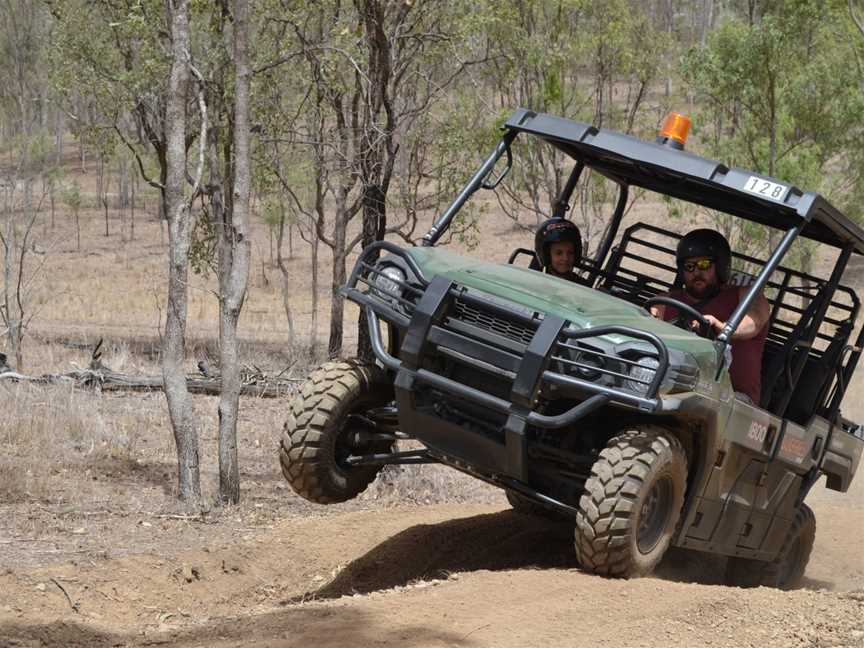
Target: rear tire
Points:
(631, 505)
(787, 569)
(318, 434)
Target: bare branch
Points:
(147, 179)
(855, 18)
(276, 63)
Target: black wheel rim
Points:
(345, 440)
(654, 515)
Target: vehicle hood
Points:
(584, 307)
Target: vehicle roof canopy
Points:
(695, 179)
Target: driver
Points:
(704, 261)
(558, 245)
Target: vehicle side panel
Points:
(843, 456)
(753, 485)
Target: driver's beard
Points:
(708, 292)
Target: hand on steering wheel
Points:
(686, 316)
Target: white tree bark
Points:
(177, 211)
(234, 255)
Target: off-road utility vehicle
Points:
(578, 402)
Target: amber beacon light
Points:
(674, 131)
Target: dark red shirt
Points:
(746, 369)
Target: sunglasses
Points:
(701, 264)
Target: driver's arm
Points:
(757, 316)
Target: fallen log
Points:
(100, 377)
(113, 381)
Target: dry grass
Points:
(52, 437)
(114, 289)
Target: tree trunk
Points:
(286, 278)
(132, 185)
(376, 149)
(234, 258)
(337, 302)
(12, 317)
(313, 324)
(102, 190)
(122, 195)
(374, 224)
(58, 134)
(175, 207)
(270, 239)
(670, 23)
(337, 305)
(708, 23)
(290, 240)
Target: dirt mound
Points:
(472, 575)
(493, 541)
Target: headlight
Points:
(641, 374)
(590, 366)
(389, 281)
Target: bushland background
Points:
(365, 119)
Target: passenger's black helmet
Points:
(706, 243)
(553, 231)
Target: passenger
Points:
(704, 261)
(558, 245)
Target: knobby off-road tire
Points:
(316, 438)
(631, 505)
(787, 569)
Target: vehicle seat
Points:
(812, 388)
(775, 381)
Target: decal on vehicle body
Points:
(794, 446)
(757, 432)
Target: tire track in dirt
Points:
(467, 575)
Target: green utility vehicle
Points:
(576, 401)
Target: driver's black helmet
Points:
(706, 243)
(556, 230)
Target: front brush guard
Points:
(422, 324)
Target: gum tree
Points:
(177, 211)
(168, 67)
(589, 61)
(26, 161)
(365, 75)
(780, 95)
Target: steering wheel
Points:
(686, 315)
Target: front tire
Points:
(318, 433)
(628, 514)
(787, 569)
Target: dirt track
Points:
(449, 575)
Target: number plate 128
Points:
(765, 189)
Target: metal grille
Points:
(492, 323)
